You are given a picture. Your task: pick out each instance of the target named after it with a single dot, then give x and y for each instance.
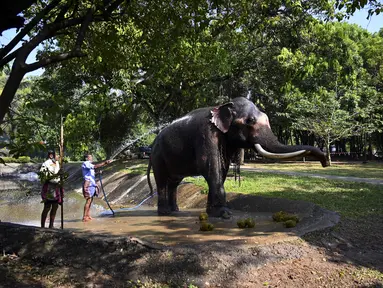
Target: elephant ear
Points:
(222, 116)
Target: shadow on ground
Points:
(335, 256)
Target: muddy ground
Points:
(350, 254)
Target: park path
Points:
(321, 176)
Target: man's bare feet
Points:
(86, 219)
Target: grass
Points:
(372, 170)
(350, 199)
(132, 166)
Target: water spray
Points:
(130, 142)
(114, 155)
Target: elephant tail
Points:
(148, 176)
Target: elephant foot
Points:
(163, 207)
(175, 208)
(220, 211)
(164, 211)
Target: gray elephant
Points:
(203, 142)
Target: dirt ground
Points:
(349, 254)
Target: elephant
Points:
(204, 141)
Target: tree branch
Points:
(64, 8)
(4, 51)
(9, 57)
(82, 31)
(53, 59)
(48, 32)
(25, 118)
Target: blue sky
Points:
(373, 24)
(360, 17)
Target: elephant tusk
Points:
(264, 153)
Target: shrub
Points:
(21, 159)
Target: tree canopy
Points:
(133, 65)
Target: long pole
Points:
(61, 174)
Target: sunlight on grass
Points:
(133, 166)
(139, 169)
(348, 198)
(369, 170)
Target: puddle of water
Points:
(144, 223)
(183, 228)
(27, 210)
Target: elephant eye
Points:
(250, 121)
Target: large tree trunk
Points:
(10, 89)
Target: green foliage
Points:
(157, 61)
(328, 90)
(21, 159)
(22, 147)
(350, 6)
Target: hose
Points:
(102, 188)
(142, 202)
(130, 208)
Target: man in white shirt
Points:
(51, 192)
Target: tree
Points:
(171, 58)
(187, 54)
(369, 120)
(374, 6)
(324, 77)
(46, 22)
(323, 116)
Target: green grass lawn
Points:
(369, 170)
(351, 199)
(348, 198)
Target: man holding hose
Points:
(90, 187)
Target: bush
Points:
(21, 159)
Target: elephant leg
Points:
(216, 204)
(161, 177)
(172, 192)
(163, 207)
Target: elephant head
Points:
(245, 126)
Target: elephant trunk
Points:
(269, 146)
